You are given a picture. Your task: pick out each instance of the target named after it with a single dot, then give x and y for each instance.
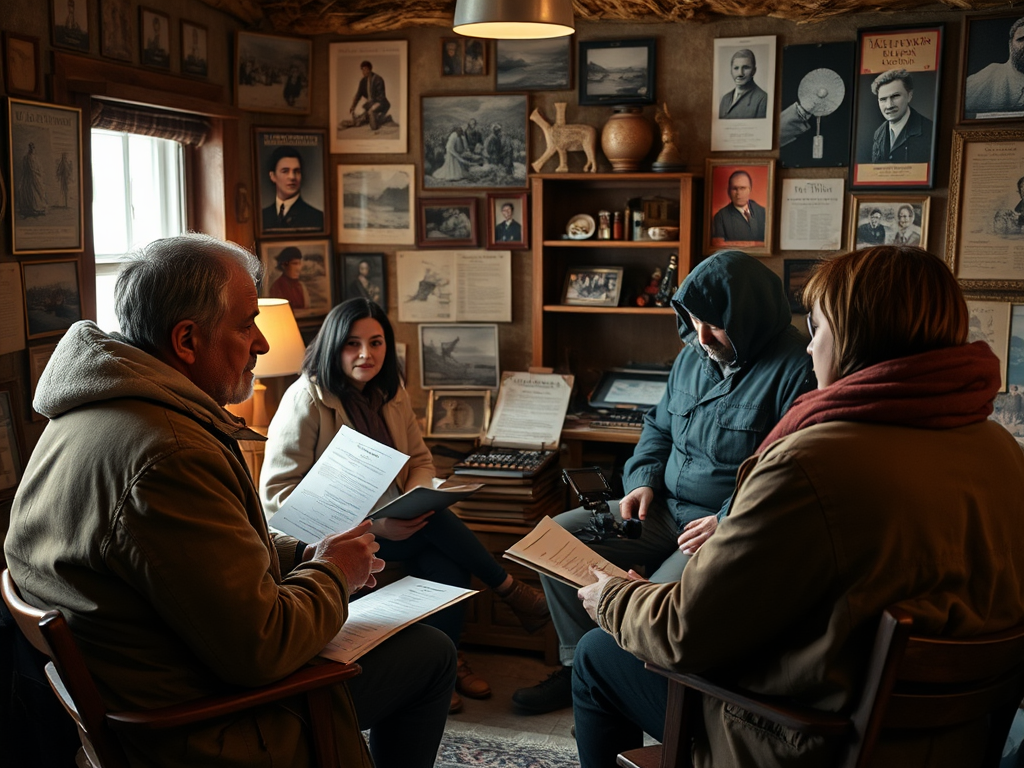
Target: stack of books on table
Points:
(511, 499)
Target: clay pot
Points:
(627, 138)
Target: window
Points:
(138, 196)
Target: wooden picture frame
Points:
(447, 222)
(376, 204)
(533, 65)
(796, 274)
(312, 272)
(452, 54)
(350, 97)
(277, 154)
(459, 356)
(117, 34)
(273, 73)
(592, 286)
(724, 225)
(617, 72)
(907, 100)
(893, 227)
(361, 275)
(511, 233)
(44, 150)
(458, 414)
(194, 49)
(53, 296)
(12, 441)
(984, 224)
(154, 38)
(69, 21)
(23, 74)
(743, 121)
(986, 69)
(474, 141)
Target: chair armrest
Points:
(198, 710)
(798, 718)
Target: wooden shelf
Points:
(595, 243)
(609, 310)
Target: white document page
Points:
(552, 550)
(340, 489)
(530, 410)
(379, 615)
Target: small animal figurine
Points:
(562, 138)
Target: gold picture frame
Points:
(458, 414)
(888, 210)
(720, 212)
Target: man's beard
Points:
(1017, 57)
(720, 353)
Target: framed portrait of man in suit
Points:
(290, 182)
(739, 209)
(507, 222)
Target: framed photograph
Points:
(194, 49)
(888, 220)
(593, 286)
(458, 414)
(507, 218)
(985, 219)
(117, 33)
(53, 297)
(990, 322)
(811, 214)
(739, 205)
(299, 271)
(22, 73)
(45, 157)
(272, 73)
(896, 108)
(817, 103)
(155, 38)
(617, 72)
(534, 65)
(369, 97)
(991, 68)
(447, 222)
(459, 356)
(1009, 407)
(290, 181)
(474, 141)
(452, 53)
(743, 73)
(797, 272)
(375, 204)
(70, 23)
(361, 274)
(11, 441)
(38, 357)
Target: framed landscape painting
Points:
(375, 204)
(534, 65)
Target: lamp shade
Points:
(513, 19)
(277, 323)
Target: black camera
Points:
(592, 489)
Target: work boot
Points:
(528, 604)
(469, 683)
(456, 706)
(547, 696)
(372, 116)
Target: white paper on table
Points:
(553, 551)
(379, 615)
(341, 488)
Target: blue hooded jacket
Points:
(695, 439)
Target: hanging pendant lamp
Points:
(514, 19)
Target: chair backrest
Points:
(49, 633)
(921, 683)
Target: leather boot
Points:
(528, 604)
(456, 705)
(469, 683)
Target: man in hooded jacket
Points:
(742, 366)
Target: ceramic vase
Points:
(627, 138)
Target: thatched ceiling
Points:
(357, 17)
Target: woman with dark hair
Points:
(350, 378)
(888, 485)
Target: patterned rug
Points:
(482, 747)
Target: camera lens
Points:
(632, 528)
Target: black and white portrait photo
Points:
(993, 88)
(290, 181)
(743, 74)
(272, 73)
(116, 31)
(375, 204)
(447, 222)
(889, 220)
(70, 20)
(193, 49)
(155, 38)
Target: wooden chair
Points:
(97, 727)
(915, 683)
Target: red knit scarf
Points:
(941, 389)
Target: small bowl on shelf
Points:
(580, 227)
(663, 233)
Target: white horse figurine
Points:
(562, 138)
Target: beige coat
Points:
(829, 526)
(304, 425)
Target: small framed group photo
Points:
(70, 23)
(53, 297)
(617, 72)
(194, 53)
(991, 62)
(593, 287)
(446, 222)
(290, 181)
(11, 441)
(507, 221)
(299, 271)
(463, 56)
(533, 65)
(362, 275)
(22, 73)
(155, 38)
(738, 206)
(458, 414)
(459, 356)
(272, 73)
(888, 220)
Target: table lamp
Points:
(287, 350)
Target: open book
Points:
(381, 614)
(419, 500)
(553, 551)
